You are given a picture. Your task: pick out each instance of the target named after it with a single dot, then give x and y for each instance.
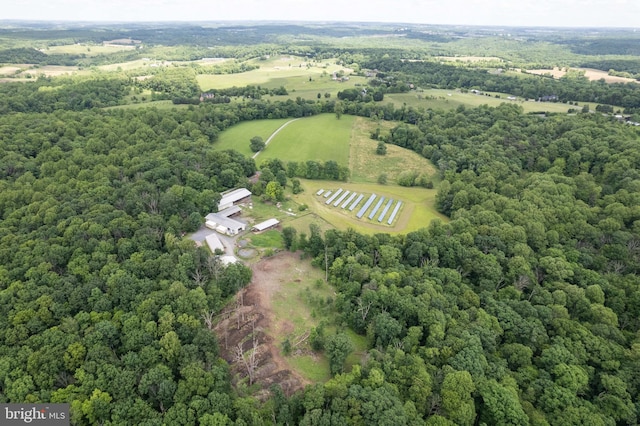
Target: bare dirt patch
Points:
(249, 326)
(9, 70)
(591, 74)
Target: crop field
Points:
(321, 138)
(591, 74)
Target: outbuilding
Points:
(224, 225)
(214, 243)
(233, 197)
(267, 224)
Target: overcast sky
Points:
(569, 13)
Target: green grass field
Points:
(346, 141)
(297, 304)
(366, 166)
(417, 212)
(86, 49)
(161, 105)
(267, 239)
(320, 138)
(450, 99)
(238, 136)
(272, 73)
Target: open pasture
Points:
(53, 71)
(417, 210)
(451, 99)
(239, 136)
(160, 105)
(320, 138)
(273, 72)
(10, 70)
(367, 166)
(127, 66)
(86, 49)
(472, 59)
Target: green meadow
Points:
(417, 211)
(239, 136)
(87, 49)
(367, 166)
(321, 138)
(301, 78)
(346, 141)
(450, 99)
(273, 72)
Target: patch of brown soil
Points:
(244, 324)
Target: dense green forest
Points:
(523, 309)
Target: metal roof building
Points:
(262, 226)
(231, 197)
(214, 243)
(224, 225)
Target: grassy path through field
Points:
(273, 134)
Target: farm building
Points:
(232, 211)
(233, 197)
(267, 224)
(214, 243)
(224, 225)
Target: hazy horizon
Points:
(524, 13)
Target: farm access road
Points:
(273, 134)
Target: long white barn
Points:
(230, 198)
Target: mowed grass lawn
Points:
(320, 138)
(239, 136)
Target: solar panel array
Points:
(385, 210)
(356, 202)
(333, 197)
(342, 197)
(395, 211)
(375, 209)
(346, 203)
(347, 199)
(364, 208)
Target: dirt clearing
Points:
(250, 332)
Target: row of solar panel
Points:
(336, 198)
